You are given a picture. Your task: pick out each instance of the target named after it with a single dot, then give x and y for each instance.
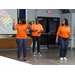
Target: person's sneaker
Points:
(34, 54)
(61, 58)
(65, 58)
(25, 60)
(39, 54)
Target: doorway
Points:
(50, 26)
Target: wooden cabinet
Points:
(10, 43)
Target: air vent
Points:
(65, 11)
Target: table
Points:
(10, 43)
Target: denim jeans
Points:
(22, 43)
(63, 46)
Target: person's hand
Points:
(39, 32)
(69, 41)
(28, 21)
(36, 30)
(56, 41)
(13, 20)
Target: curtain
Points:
(22, 13)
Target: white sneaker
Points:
(61, 58)
(34, 54)
(65, 58)
(39, 54)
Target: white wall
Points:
(33, 13)
(68, 16)
(43, 12)
(30, 14)
(73, 29)
(73, 24)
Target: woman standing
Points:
(21, 37)
(63, 37)
(36, 33)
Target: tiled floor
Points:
(49, 57)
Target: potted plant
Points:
(31, 22)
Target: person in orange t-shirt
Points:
(21, 37)
(63, 37)
(37, 29)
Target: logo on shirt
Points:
(24, 26)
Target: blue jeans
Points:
(63, 46)
(22, 43)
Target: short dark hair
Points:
(22, 20)
(37, 20)
(66, 22)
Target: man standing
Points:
(36, 33)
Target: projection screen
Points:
(6, 20)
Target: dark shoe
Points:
(25, 60)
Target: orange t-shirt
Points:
(21, 31)
(36, 27)
(64, 32)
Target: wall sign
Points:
(49, 11)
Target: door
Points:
(50, 26)
(53, 24)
